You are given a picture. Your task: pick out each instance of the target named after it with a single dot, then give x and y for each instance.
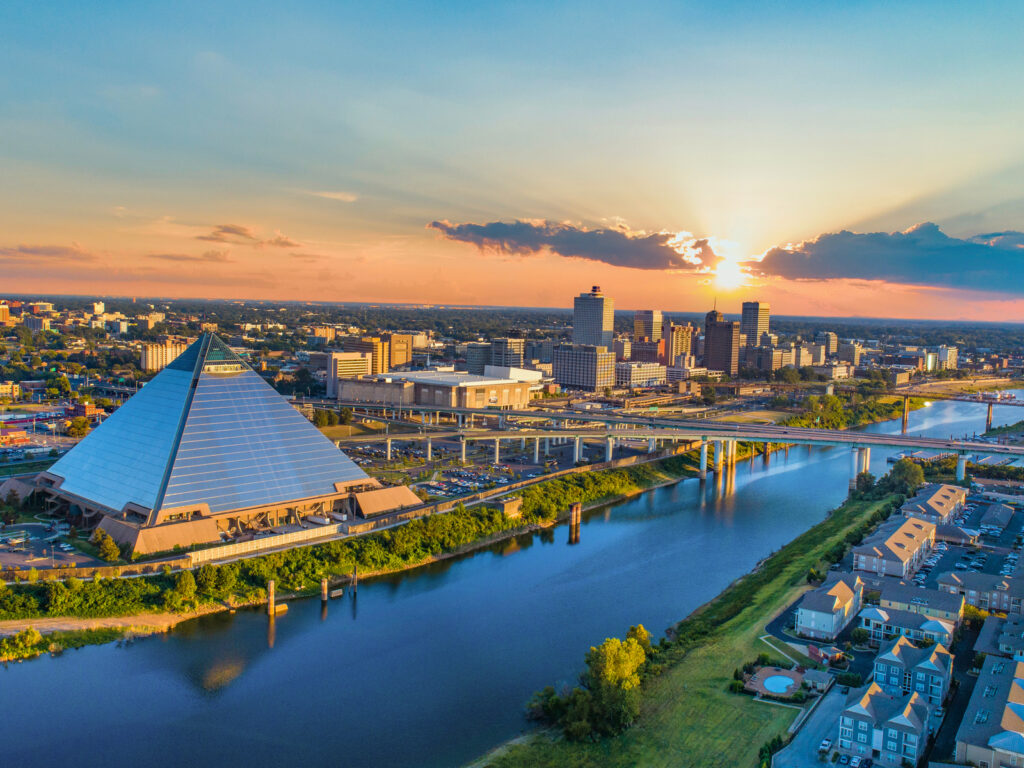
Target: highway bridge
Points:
(722, 437)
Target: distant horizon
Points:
(24, 297)
(840, 160)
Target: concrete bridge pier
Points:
(609, 448)
(577, 450)
(703, 459)
(652, 445)
(961, 467)
(906, 413)
(854, 467)
(430, 449)
(719, 445)
(522, 444)
(387, 449)
(497, 450)
(865, 459)
(462, 449)
(988, 418)
(536, 450)
(547, 446)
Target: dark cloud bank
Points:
(921, 255)
(619, 247)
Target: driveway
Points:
(945, 739)
(823, 723)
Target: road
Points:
(802, 751)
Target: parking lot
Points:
(998, 552)
(35, 545)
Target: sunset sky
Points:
(852, 158)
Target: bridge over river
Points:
(615, 429)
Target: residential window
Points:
(892, 733)
(862, 738)
(891, 746)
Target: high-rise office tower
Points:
(721, 343)
(828, 340)
(380, 352)
(647, 324)
(678, 340)
(583, 366)
(507, 353)
(478, 357)
(754, 321)
(593, 319)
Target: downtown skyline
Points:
(860, 161)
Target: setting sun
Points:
(728, 275)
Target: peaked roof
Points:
(206, 430)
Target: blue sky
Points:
(126, 129)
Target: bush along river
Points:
(431, 667)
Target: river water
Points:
(430, 667)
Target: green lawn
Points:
(687, 717)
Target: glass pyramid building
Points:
(206, 440)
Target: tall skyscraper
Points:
(593, 319)
(379, 350)
(507, 353)
(721, 343)
(828, 340)
(647, 324)
(754, 321)
(678, 340)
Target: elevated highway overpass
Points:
(722, 437)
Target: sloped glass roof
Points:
(124, 459)
(244, 445)
(207, 429)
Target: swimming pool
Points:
(778, 683)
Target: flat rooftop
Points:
(443, 379)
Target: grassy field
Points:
(687, 717)
(756, 417)
(25, 467)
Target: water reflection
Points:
(448, 652)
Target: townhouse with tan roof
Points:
(826, 611)
(896, 549)
(889, 728)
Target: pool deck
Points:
(757, 681)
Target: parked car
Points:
(825, 746)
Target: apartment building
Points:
(826, 611)
(986, 591)
(888, 728)
(936, 503)
(897, 549)
(901, 667)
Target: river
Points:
(430, 667)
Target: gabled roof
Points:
(897, 542)
(206, 430)
(829, 597)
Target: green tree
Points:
(865, 483)
(320, 418)
(860, 636)
(906, 476)
(345, 417)
(106, 546)
(78, 427)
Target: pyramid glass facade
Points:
(207, 430)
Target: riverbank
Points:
(687, 715)
(408, 547)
